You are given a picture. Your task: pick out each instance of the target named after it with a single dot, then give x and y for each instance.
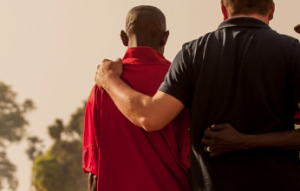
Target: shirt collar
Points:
(143, 54)
(243, 22)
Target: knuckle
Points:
(206, 133)
(203, 141)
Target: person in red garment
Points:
(124, 157)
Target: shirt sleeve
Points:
(91, 133)
(179, 79)
(296, 71)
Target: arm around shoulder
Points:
(150, 113)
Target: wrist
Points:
(247, 142)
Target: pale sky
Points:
(49, 50)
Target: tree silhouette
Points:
(56, 129)
(7, 170)
(12, 129)
(35, 147)
(60, 167)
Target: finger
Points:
(218, 127)
(207, 149)
(205, 141)
(217, 154)
(106, 60)
(207, 129)
(214, 154)
(209, 134)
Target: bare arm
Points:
(150, 113)
(223, 139)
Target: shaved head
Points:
(146, 26)
(145, 17)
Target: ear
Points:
(271, 13)
(124, 38)
(164, 38)
(224, 11)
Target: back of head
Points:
(247, 7)
(146, 26)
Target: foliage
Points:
(35, 147)
(60, 168)
(7, 170)
(12, 129)
(75, 128)
(12, 116)
(56, 129)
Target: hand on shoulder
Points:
(106, 70)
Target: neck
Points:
(263, 18)
(136, 43)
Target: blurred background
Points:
(49, 51)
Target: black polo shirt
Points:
(248, 75)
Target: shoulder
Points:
(288, 45)
(191, 53)
(279, 36)
(94, 95)
(281, 39)
(195, 46)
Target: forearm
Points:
(132, 104)
(286, 140)
(150, 113)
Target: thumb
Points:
(217, 127)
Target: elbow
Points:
(150, 124)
